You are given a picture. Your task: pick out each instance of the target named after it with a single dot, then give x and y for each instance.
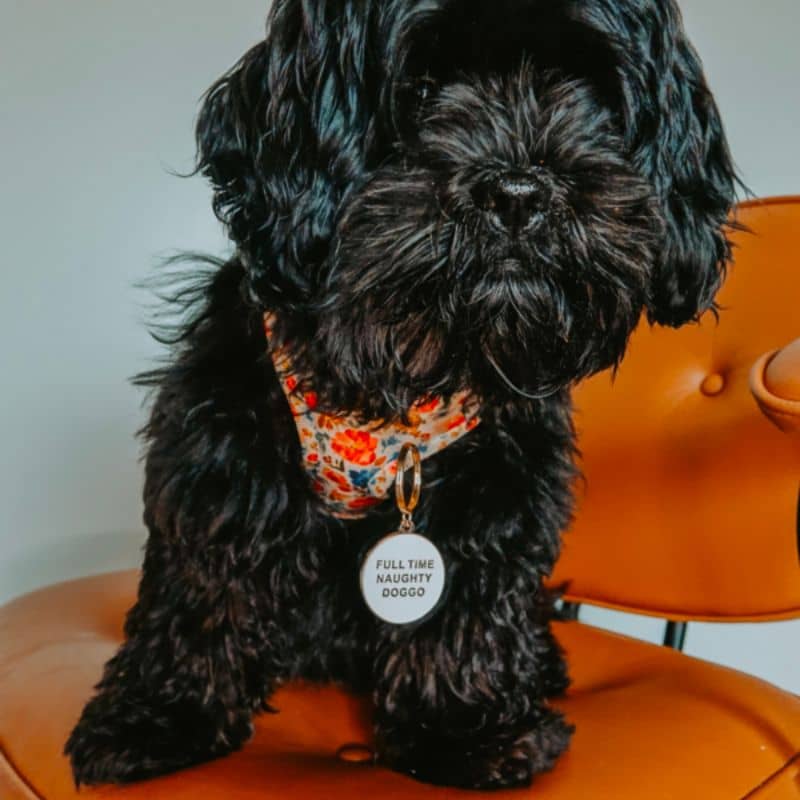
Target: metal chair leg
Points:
(675, 635)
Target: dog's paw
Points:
(110, 746)
(113, 752)
(501, 762)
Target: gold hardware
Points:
(409, 459)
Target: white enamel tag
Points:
(402, 578)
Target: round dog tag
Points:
(402, 577)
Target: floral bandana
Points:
(353, 466)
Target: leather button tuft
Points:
(712, 385)
(355, 753)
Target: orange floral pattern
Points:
(357, 447)
(352, 466)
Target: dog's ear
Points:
(281, 136)
(677, 140)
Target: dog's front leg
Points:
(208, 639)
(461, 699)
(213, 627)
(184, 684)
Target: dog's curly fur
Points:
(350, 154)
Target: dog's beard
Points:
(424, 295)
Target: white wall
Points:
(98, 100)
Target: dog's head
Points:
(456, 192)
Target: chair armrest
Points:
(775, 384)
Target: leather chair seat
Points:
(651, 722)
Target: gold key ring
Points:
(409, 458)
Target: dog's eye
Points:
(413, 95)
(424, 88)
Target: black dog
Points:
(428, 197)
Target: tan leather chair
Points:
(690, 511)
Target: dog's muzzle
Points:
(514, 202)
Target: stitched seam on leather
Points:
(22, 779)
(775, 410)
(753, 793)
(766, 398)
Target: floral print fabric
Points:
(351, 465)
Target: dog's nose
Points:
(514, 201)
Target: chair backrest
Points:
(690, 504)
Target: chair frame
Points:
(674, 631)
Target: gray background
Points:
(98, 101)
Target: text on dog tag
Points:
(402, 578)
